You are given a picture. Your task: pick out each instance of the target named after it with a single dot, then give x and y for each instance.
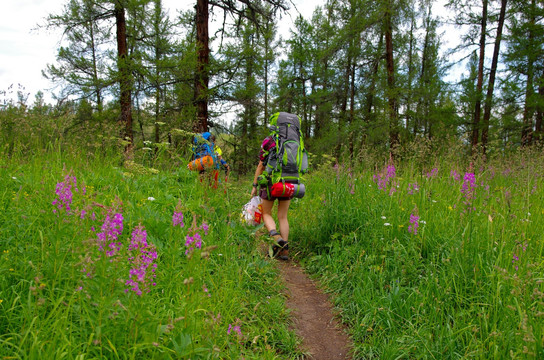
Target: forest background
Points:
(362, 76)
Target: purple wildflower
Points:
(192, 243)
(468, 187)
(198, 240)
(64, 193)
(142, 260)
(391, 171)
(413, 188)
(381, 181)
(514, 259)
(177, 219)
(384, 180)
(432, 173)
(189, 240)
(205, 289)
(236, 328)
(111, 229)
(205, 227)
(455, 175)
(414, 224)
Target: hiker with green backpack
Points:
(282, 162)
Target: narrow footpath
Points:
(322, 334)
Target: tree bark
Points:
(125, 82)
(491, 85)
(393, 121)
(203, 59)
(540, 111)
(97, 87)
(528, 111)
(369, 97)
(479, 84)
(158, 56)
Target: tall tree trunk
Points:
(491, 85)
(266, 71)
(528, 111)
(479, 84)
(125, 81)
(392, 97)
(540, 110)
(369, 98)
(203, 59)
(343, 119)
(351, 120)
(97, 87)
(158, 55)
(409, 95)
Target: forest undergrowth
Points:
(102, 258)
(437, 261)
(107, 260)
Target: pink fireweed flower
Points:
(198, 241)
(205, 289)
(432, 173)
(141, 259)
(384, 180)
(455, 175)
(236, 328)
(189, 240)
(205, 227)
(414, 224)
(413, 188)
(380, 181)
(515, 258)
(177, 219)
(468, 188)
(64, 193)
(192, 243)
(391, 171)
(111, 229)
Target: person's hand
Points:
(253, 191)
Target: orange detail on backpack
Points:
(204, 163)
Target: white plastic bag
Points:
(252, 212)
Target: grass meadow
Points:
(101, 259)
(443, 261)
(104, 261)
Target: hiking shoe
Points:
(280, 249)
(284, 253)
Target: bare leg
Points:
(269, 222)
(283, 208)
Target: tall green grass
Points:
(50, 309)
(468, 284)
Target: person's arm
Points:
(258, 171)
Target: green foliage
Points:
(61, 296)
(466, 284)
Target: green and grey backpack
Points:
(288, 161)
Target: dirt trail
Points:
(315, 323)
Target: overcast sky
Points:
(25, 50)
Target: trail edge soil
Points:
(323, 336)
